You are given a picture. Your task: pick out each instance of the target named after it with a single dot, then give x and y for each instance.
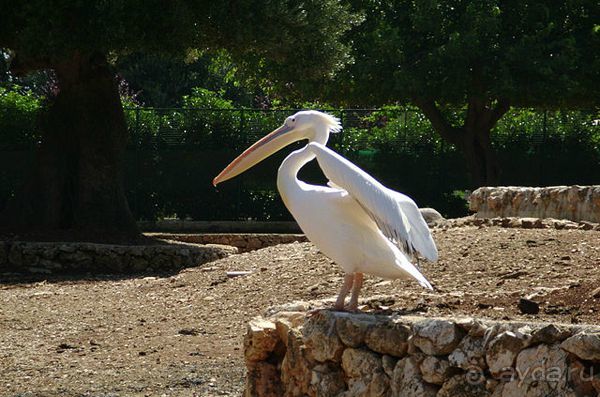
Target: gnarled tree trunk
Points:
(75, 187)
(482, 163)
(473, 138)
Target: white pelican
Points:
(356, 221)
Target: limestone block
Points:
(296, 375)
(580, 378)
(461, 386)
(351, 331)
(102, 258)
(390, 339)
(285, 324)
(469, 353)
(575, 203)
(320, 337)
(326, 380)
(308, 357)
(379, 386)
(435, 370)
(365, 372)
(503, 350)
(586, 346)
(388, 363)
(408, 382)
(540, 371)
(472, 326)
(549, 334)
(360, 363)
(262, 380)
(436, 336)
(261, 339)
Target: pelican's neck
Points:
(288, 170)
(320, 134)
(287, 176)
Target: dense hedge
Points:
(19, 110)
(189, 147)
(173, 155)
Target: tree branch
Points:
(438, 121)
(475, 108)
(21, 65)
(500, 110)
(481, 117)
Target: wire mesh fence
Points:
(173, 154)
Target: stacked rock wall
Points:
(576, 203)
(49, 258)
(525, 223)
(342, 354)
(188, 226)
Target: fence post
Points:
(404, 142)
(542, 149)
(545, 127)
(342, 147)
(138, 174)
(240, 184)
(243, 125)
(137, 119)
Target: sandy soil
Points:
(181, 335)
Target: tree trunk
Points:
(473, 138)
(480, 158)
(75, 188)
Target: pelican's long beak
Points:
(259, 151)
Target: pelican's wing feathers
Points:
(396, 215)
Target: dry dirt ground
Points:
(181, 335)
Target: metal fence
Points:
(173, 154)
(232, 128)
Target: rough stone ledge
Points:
(525, 223)
(243, 241)
(327, 353)
(576, 203)
(188, 226)
(57, 257)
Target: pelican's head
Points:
(307, 124)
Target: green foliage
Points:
(162, 81)
(18, 117)
(397, 145)
(19, 110)
(549, 146)
(209, 129)
(531, 53)
(291, 41)
(174, 153)
(391, 129)
(202, 98)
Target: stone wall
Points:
(243, 241)
(576, 203)
(188, 226)
(47, 258)
(525, 223)
(343, 354)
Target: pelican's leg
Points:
(358, 282)
(348, 280)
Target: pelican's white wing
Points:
(396, 215)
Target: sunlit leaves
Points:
(534, 53)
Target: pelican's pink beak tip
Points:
(215, 182)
